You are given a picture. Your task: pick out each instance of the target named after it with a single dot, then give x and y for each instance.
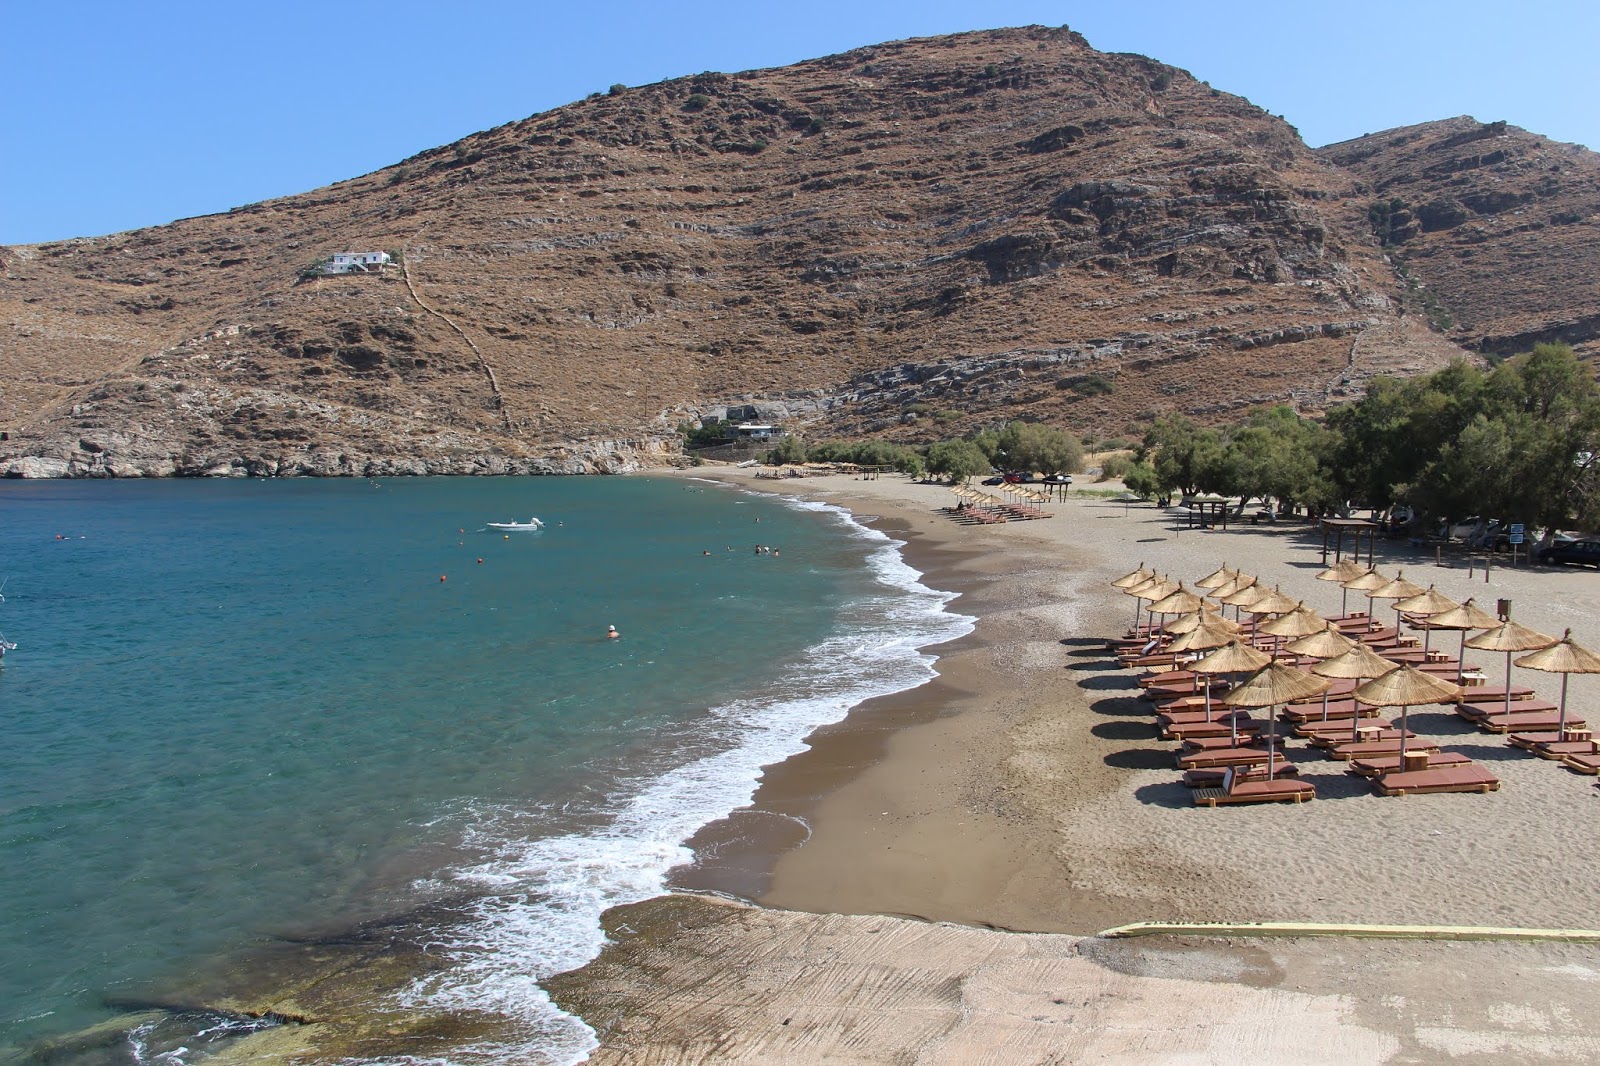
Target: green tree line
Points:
(1017, 446)
(1517, 442)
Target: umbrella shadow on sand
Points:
(1102, 683)
(1121, 707)
(1173, 794)
(1124, 729)
(1140, 759)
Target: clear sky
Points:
(116, 115)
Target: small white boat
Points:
(530, 524)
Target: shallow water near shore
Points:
(246, 708)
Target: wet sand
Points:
(1025, 790)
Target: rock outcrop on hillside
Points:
(1494, 230)
(911, 239)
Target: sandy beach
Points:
(924, 884)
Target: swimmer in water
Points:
(611, 633)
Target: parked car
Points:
(1573, 551)
(996, 480)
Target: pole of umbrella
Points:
(1561, 721)
(1355, 716)
(1508, 682)
(1272, 737)
(1461, 659)
(1403, 710)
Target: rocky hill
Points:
(911, 239)
(1494, 230)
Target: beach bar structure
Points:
(1338, 527)
(1205, 512)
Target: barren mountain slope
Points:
(992, 225)
(1496, 228)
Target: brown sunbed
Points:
(1278, 790)
(1337, 732)
(1584, 764)
(1553, 745)
(1477, 710)
(1526, 723)
(1466, 777)
(1337, 739)
(1221, 743)
(1222, 758)
(1373, 765)
(1190, 715)
(1372, 749)
(1337, 709)
(1195, 730)
(1490, 693)
(1214, 778)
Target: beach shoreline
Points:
(1023, 789)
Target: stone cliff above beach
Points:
(911, 239)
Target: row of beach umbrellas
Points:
(1201, 628)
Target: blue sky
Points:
(116, 115)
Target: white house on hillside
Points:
(356, 262)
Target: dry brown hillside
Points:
(986, 226)
(1495, 229)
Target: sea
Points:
(243, 709)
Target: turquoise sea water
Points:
(247, 707)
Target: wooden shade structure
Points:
(1564, 658)
(1271, 685)
(1464, 618)
(1510, 638)
(1406, 687)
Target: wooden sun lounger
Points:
(1186, 731)
(1475, 710)
(1468, 777)
(1584, 764)
(1373, 765)
(1278, 790)
(1526, 723)
(1338, 739)
(1337, 709)
(1336, 732)
(1490, 693)
(1214, 778)
(1557, 749)
(1371, 749)
(1222, 758)
(1190, 715)
(1222, 743)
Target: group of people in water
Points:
(761, 549)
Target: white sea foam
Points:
(539, 914)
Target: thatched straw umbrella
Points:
(1427, 605)
(1238, 598)
(1218, 577)
(1357, 664)
(1179, 601)
(1322, 645)
(1299, 622)
(1398, 589)
(1509, 638)
(1406, 687)
(1342, 571)
(1564, 658)
(1200, 639)
(1232, 658)
(1463, 618)
(1271, 685)
(1186, 623)
(1270, 601)
(1153, 589)
(1366, 582)
(1133, 577)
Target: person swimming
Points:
(611, 633)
